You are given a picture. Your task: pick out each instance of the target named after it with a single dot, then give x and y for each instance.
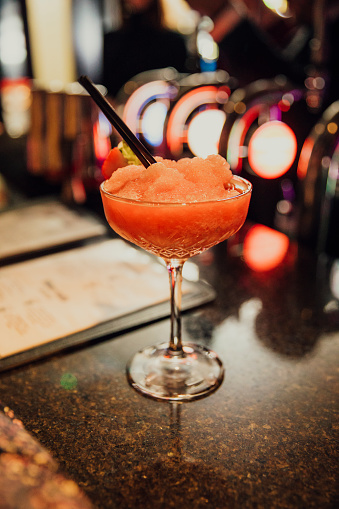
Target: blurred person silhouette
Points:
(142, 43)
(255, 43)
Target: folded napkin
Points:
(29, 476)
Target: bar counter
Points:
(267, 438)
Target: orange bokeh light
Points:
(264, 248)
(305, 157)
(272, 149)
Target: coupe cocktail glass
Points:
(175, 232)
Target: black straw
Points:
(132, 141)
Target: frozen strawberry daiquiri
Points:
(175, 210)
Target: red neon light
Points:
(176, 133)
(264, 248)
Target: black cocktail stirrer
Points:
(132, 141)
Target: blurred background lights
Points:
(12, 41)
(16, 101)
(153, 121)
(146, 109)
(264, 248)
(334, 279)
(104, 125)
(13, 51)
(204, 132)
(332, 127)
(279, 6)
(50, 39)
(191, 104)
(101, 132)
(272, 149)
(208, 51)
(179, 16)
(304, 158)
(87, 37)
(240, 107)
(68, 381)
(206, 46)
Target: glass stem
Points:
(174, 268)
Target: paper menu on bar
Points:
(44, 225)
(58, 295)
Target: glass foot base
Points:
(162, 374)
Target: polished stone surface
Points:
(267, 438)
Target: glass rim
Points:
(179, 204)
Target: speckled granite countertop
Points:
(267, 438)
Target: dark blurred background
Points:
(255, 80)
